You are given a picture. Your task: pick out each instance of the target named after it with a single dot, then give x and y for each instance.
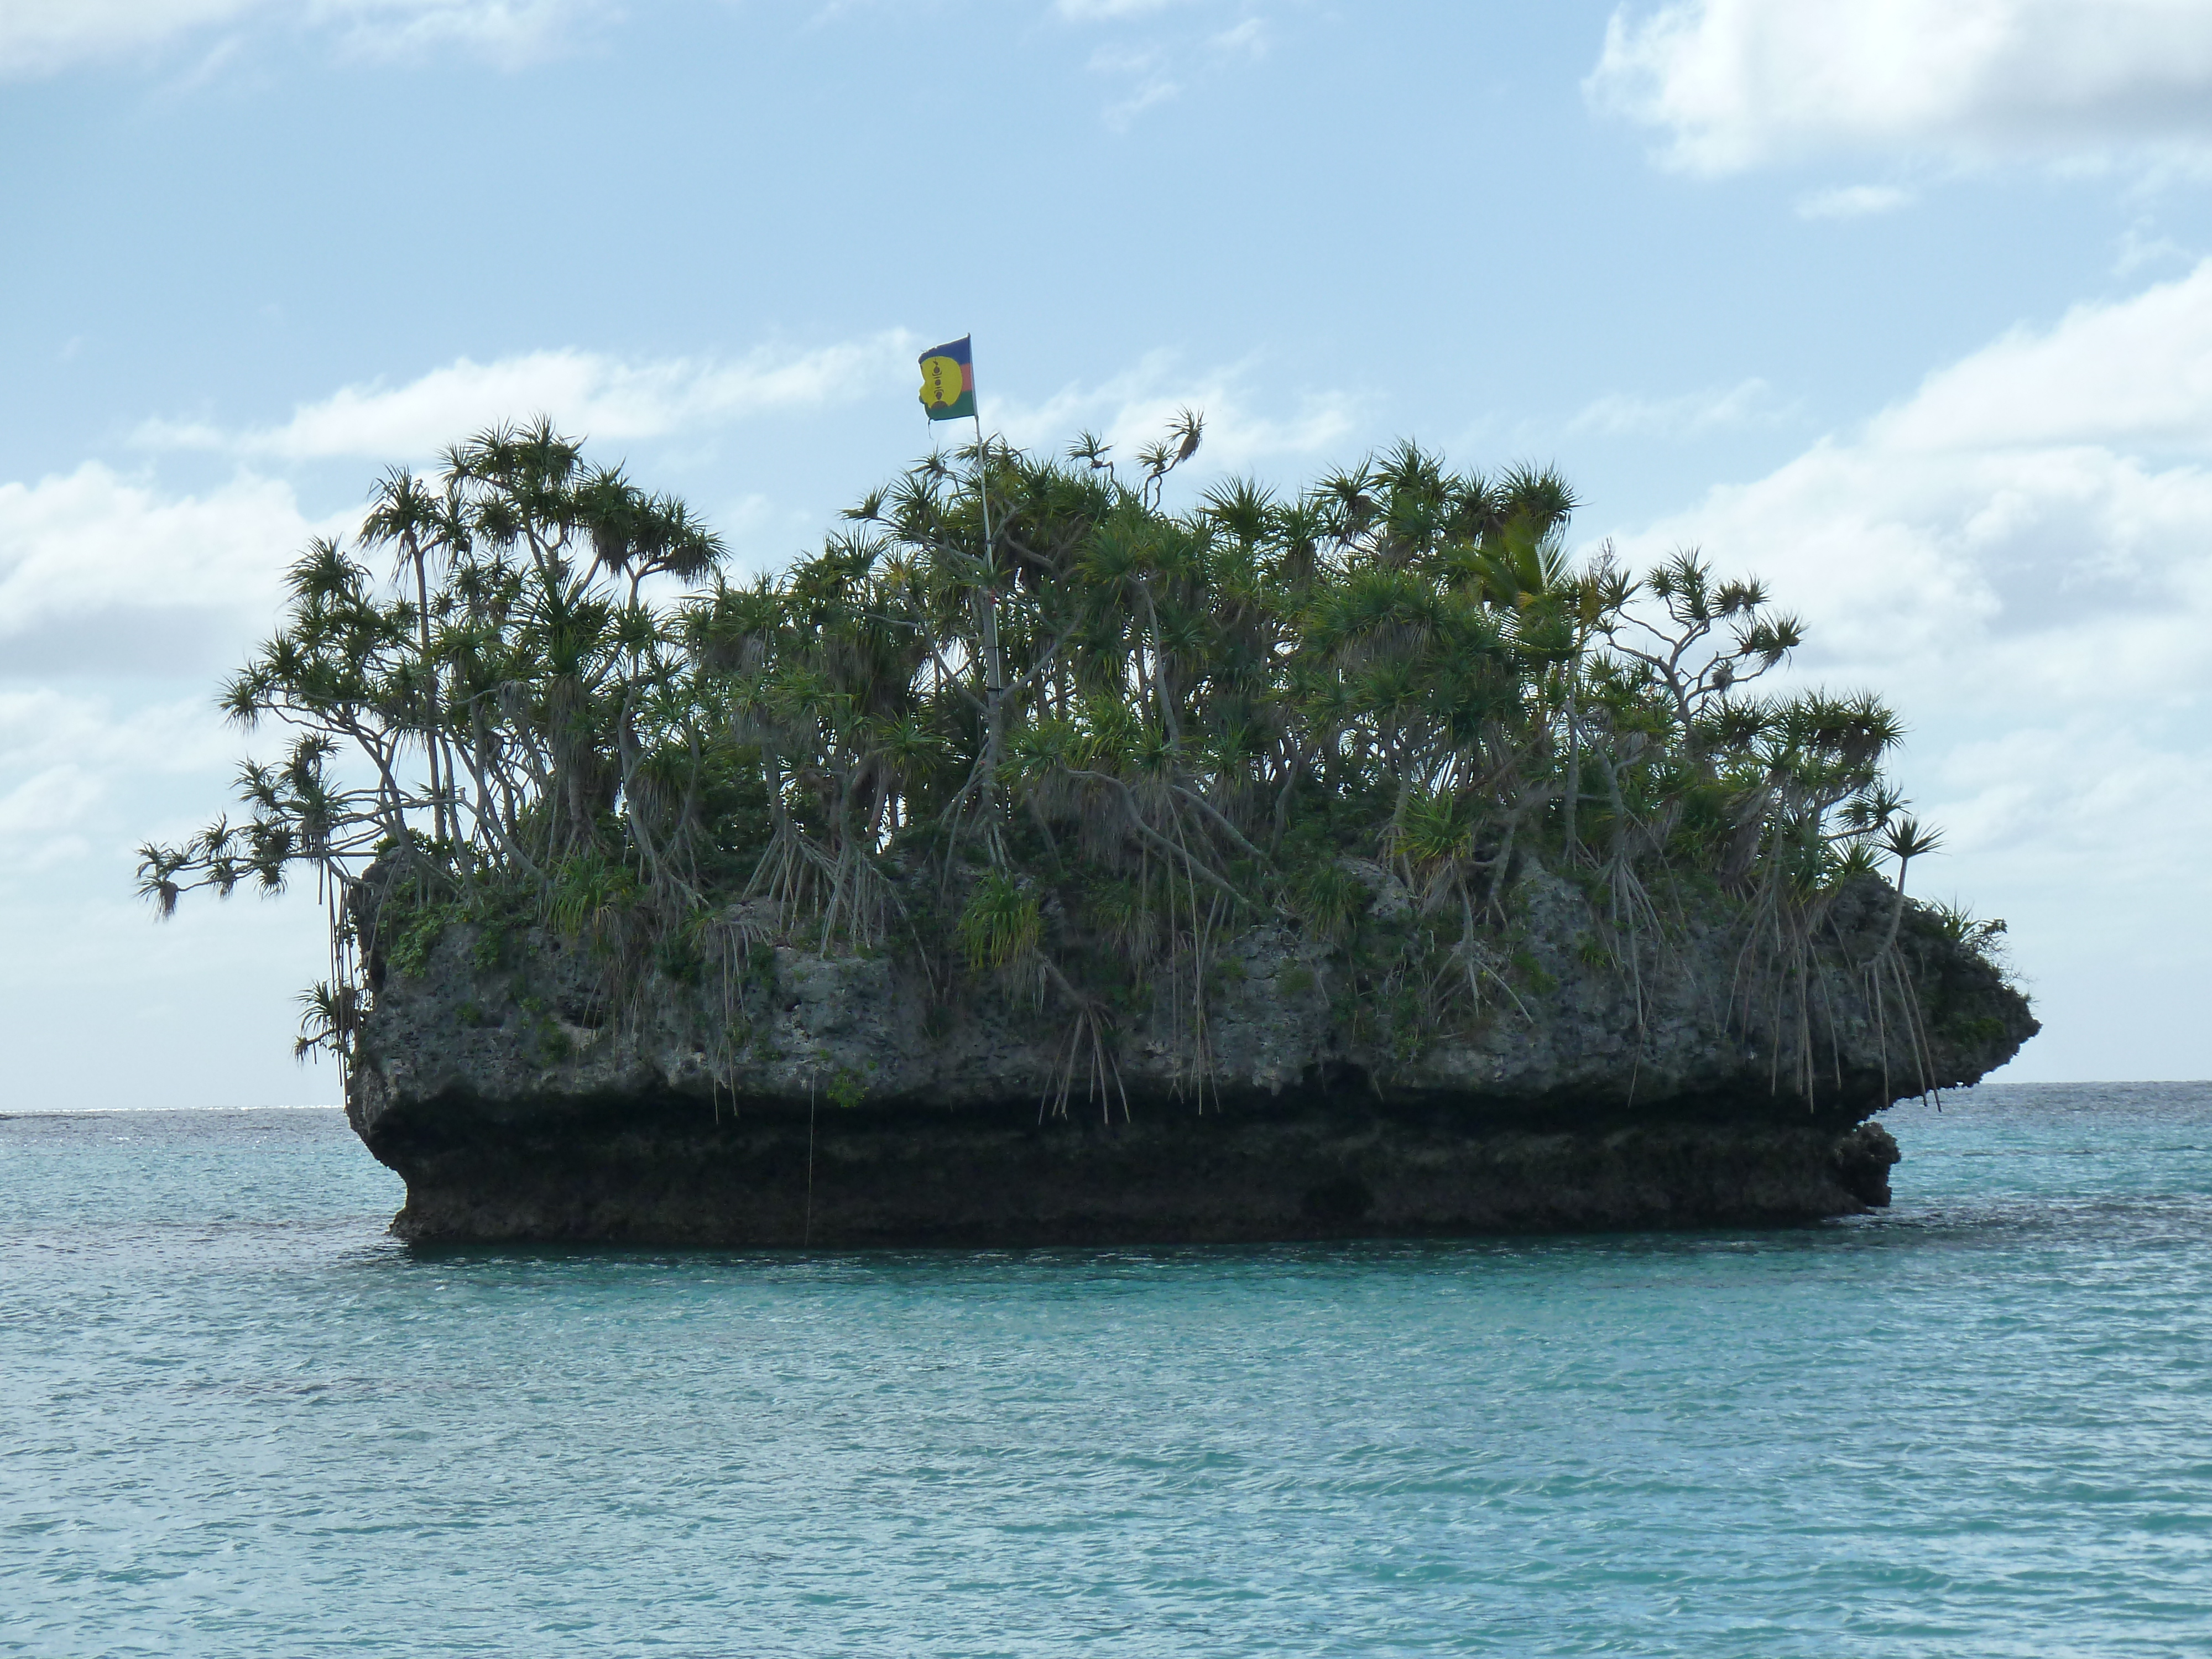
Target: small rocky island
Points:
(519, 1104)
(1035, 865)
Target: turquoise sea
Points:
(237, 1420)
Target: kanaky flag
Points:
(948, 380)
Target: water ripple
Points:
(236, 1421)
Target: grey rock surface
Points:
(839, 1099)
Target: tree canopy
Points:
(1091, 745)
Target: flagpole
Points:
(992, 668)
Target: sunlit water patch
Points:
(236, 1419)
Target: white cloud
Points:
(104, 573)
(38, 37)
(509, 33)
(83, 780)
(2141, 244)
(81, 555)
(597, 395)
(2020, 556)
(1170, 59)
(64, 757)
(1853, 202)
(2135, 373)
(1152, 91)
(1133, 408)
(38, 816)
(1098, 11)
(2043, 507)
(588, 393)
(99, 573)
(1151, 81)
(45, 37)
(1249, 37)
(1745, 404)
(1739, 84)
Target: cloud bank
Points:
(1748, 402)
(2020, 556)
(46, 37)
(587, 392)
(82, 554)
(600, 397)
(1132, 409)
(1736, 84)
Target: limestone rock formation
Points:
(850, 1099)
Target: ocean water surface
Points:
(236, 1419)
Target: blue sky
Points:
(1903, 307)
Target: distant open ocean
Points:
(237, 1420)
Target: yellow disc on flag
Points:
(940, 382)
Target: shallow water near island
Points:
(236, 1419)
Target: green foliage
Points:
(1984, 937)
(1974, 1028)
(1001, 924)
(676, 956)
(1089, 746)
(330, 1016)
(1327, 897)
(1531, 973)
(410, 935)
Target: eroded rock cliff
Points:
(835, 1100)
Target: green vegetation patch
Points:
(1074, 757)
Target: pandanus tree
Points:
(1093, 744)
